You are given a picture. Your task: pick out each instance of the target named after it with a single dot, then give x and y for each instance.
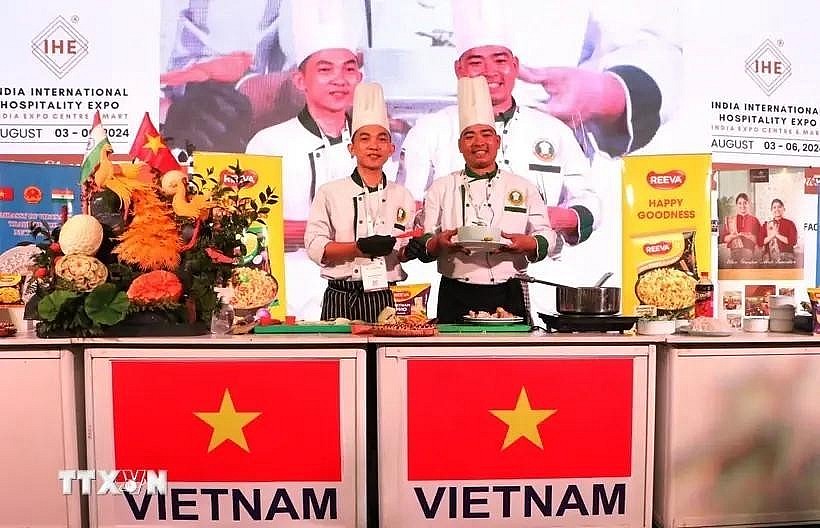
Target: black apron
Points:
(349, 300)
(457, 298)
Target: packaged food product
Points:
(411, 302)
(665, 272)
(666, 223)
(11, 288)
(814, 297)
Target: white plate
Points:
(704, 333)
(481, 245)
(493, 320)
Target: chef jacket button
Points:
(384, 200)
(361, 221)
(360, 198)
(507, 162)
(492, 280)
(505, 130)
(466, 205)
(318, 154)
(355, 271)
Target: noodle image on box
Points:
(666, 230)
(411, 302)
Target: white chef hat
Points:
(308, 26)
(474, 104)
(369, 107)
(482, 23)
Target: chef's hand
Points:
(443, 242)
(563, 219)
(376, 245)
(578, 94)
(520, 243)
(415, 249)
(211, 115)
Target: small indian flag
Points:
(62, 194)
(97, 140)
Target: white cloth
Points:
(474, 104)
(341, 212)
(430, 151)
(516, 208)
(369, 107)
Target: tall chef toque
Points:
(369, 107)
(474, 104)
(481, 23)
(308, 26)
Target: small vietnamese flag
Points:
(229, 420)
(6, 194)
(475, 419)
(150, 147)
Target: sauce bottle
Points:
(704, 296)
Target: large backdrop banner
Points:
(592, 81)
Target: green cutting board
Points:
(302, 329)
(476, 329)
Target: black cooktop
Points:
(588, 323)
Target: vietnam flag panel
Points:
(223, 421)
(471, 419)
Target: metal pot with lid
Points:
(584, 300)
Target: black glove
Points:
(376, 245)
(211, 115)
(416, 249)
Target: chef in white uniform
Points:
(482, 193)
(314, 144)
(353, 222)
(533, 144)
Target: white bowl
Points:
(781, 325)
(650, 327)
(781, 300)
(475, 233)
(782, 312)
(755, 324)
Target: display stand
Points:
(606, 483)
(38, 437)
(228, 485)
(737, 431)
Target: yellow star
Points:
(227, 423)
(153, 142)
(523, 421)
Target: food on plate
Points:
(7, 329)
(253, 288)
(709, 324)
(666, 289)
(474, 233)
(499, 313)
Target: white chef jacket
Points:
(534, 145)
(515, 206)
(344, 211)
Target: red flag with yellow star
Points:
(150, 147)
(471, 419)
(229, 421)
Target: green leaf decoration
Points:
(106, 305)
(50, 305)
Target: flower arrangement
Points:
(146, 256)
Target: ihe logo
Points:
(59, 46)
(768, 66)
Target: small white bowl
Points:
(781, 300)
(781, 325)
(650, 327)
(782, 312)
(755, 324)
